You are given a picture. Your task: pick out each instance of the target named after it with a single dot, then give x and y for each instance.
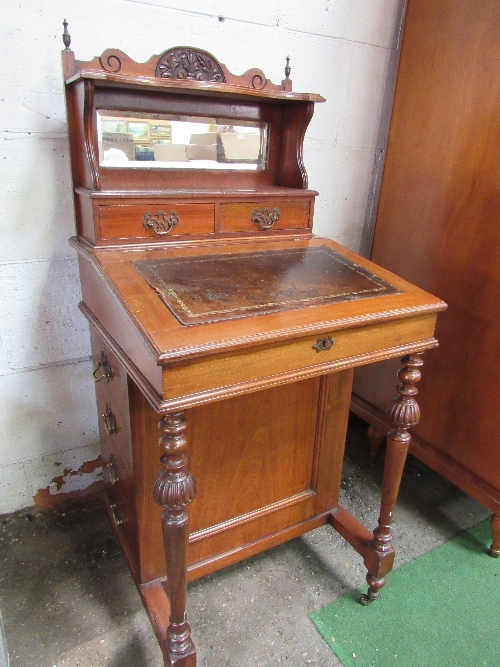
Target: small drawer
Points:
(109, 375)
(160, 220)
(114, 429)
(120, 491)
(116, 473)
(264, 215)
(124, 521)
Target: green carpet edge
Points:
(474, 540)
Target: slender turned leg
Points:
(174, 489)
(494, 551)
(375, 438)
(403, 412)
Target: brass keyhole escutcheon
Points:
(323, 344)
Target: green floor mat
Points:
(440, 610)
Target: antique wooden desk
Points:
(215, 312)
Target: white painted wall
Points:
(342, 49)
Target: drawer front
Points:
(118, 478)
(264, 215)
(168, 218)
(110, 376)
(195, 382)
(110, 379)
(114, 427)
(124, 522)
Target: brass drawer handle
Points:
(323, 344)
(117, 514)
(265, 219)
(109, 420)
(107, 371)
(113, 471)
(160, 223)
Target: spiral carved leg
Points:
(403, 412)
(494, 551)
(174, 490)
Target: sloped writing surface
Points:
(214, 288)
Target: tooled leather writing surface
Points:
(214, 288)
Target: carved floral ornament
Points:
(185, 63)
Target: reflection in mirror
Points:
(175, 141)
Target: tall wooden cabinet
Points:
(438, 225)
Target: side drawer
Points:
(169, 218)
(117, 476)
(110, 376)
(124, 522)
(258, 216)
(114, 426)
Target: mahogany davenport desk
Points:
(216, 313)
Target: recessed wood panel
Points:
(254, 459)
(252, 451)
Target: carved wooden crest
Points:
(185, 63)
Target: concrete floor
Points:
(67, 599)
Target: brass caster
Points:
(366, 599)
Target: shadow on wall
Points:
(49, 433)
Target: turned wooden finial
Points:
(286, 84)
(288, 69)
(66, 36)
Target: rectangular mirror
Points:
(168, 141)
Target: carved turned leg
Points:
(494, 551)
(174, 489)
(403, 412)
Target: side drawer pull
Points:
(107, 371)
(109, 420)
(160, 223)
(117, 514)
(265, 219)
(113, 471)
(323, 344)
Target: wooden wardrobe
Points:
(438, 225)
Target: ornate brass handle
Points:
(113, 472)
(160, 223)
(107, 371)
(109, 420)
(323, 344)
(117, 514)
(265, 219)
